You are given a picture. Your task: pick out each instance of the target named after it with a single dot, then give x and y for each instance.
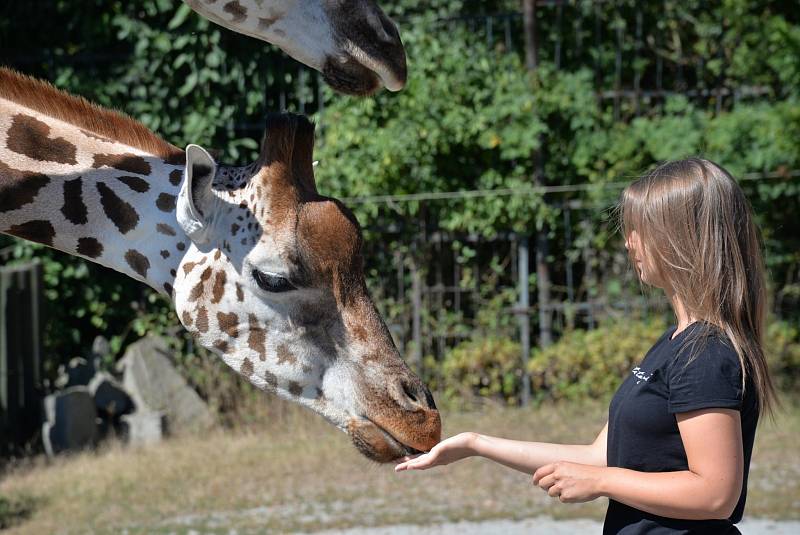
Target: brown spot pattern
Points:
(39, 231)
(257, 338)
(237, 10)
(360, 333)
(265, 22)
(137, 261)
(197, 291)
(124, 162)
(285, 356)
(228, 323)
(89, 247)
(187, 318)
(188, 266)
(30, 137)
(272, 381)
(202, 319)
(295, 389)
(166, 202)
(18, 188)
(122, 214)
(175, 177)
(163, 228)
(137, 184)
(218, 289)
(74, 209)
(239, 293)
(221, 345)
(247, 368)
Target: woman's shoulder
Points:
(705, 371)
(705, 347)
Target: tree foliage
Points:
(719, 80)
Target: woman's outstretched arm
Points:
(526, 457)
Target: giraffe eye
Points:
(272, 283)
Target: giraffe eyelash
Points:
(269, 282)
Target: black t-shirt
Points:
(643, 433)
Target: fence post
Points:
(416, 319)
(542, 269)
(524, 317)
(20, 353)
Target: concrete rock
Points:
(154, 384)
(142, 427)
(70, 423)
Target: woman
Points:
(675, 453)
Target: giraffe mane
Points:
(43, 97)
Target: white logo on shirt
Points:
(640, 375)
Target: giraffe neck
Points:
(262, 19)
(89, 195)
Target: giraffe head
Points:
(273, 283)
(355, 46)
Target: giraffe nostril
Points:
(391, 30)
(409, 392)
(429, 399)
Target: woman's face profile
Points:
(643, 262)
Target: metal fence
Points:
(21, 322)
(432, 293)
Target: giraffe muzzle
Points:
(370, 52)
(400, 420)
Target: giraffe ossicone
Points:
(263, 270)
(355, 46)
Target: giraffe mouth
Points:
(350, 77)
(376, 443)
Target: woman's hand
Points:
(570, 482)
(445, 452)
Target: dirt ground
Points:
(296, 474)
(545, 525)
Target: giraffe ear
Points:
(194, 209)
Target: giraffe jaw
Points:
(376, 443)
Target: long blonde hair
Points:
(697, 228)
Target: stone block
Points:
(70, 421)
(142, 428)
(155, 385)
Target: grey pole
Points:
(524, 317)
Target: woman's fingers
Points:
(542, 472)
(547, 481)
(419, 462)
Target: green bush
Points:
(488, 368)
(783, 354)
(589, 364)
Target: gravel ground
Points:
(545, 525)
